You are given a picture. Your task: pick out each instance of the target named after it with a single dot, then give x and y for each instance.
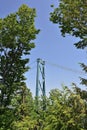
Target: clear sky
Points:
(50, 46)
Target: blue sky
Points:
(50, 46)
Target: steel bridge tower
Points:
(40, 81)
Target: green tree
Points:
(27, 117)
(19, 115)
(6, 118)
(17, 31)
(24, 108)
(71, 16)
(66, 111)
(83, 95)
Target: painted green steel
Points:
(40, 80)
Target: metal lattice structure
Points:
(40, 78)
(40, 81)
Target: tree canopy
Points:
(72, 19)
(71, 16)
(17, 31)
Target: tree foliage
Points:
(17, 31)
(72, 19)
(66, 109)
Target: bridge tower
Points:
(40, 81)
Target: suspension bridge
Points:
(40, 74)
